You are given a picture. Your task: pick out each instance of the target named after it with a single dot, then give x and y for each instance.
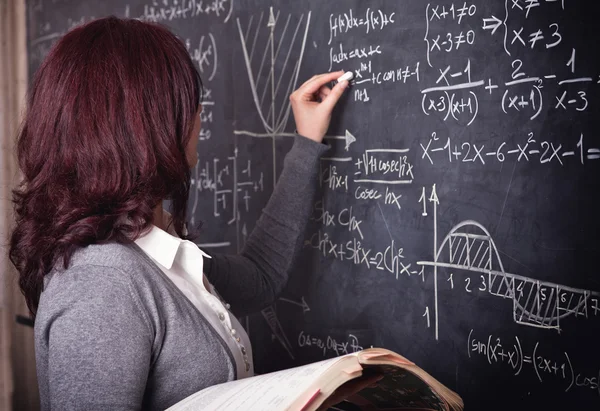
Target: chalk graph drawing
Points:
(272, 83)
(469, 247)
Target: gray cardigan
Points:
(112, 332)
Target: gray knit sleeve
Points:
(253, 279)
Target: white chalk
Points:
(346, 76)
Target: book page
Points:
(371, 354)
(274, 391)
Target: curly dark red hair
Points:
(109, 115)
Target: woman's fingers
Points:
(334, 95)
(324, 92)
(312, 104)
(316, 76)
(308, 89)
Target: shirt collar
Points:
(160, 245)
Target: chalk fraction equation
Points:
(388, 166)
(457, 93)
(366, 52)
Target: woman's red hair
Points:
(109, 116)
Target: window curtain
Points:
(18, 386)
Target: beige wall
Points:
(18, 386)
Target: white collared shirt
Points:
(182, 261)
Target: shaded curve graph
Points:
(542, 304)
(272, 83)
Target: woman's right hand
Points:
(313, 102)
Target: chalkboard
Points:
(456, 221)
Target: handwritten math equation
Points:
(231, 182)
(531, 149)
(328, 345)
(169, 10)
(546, 365)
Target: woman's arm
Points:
(253, 279)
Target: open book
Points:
(402, 385)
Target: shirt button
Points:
(247, 367)
(243, 350)
(238, 339)
(227, 306)
(221, 316)
(233, 331)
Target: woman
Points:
(127, 310)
